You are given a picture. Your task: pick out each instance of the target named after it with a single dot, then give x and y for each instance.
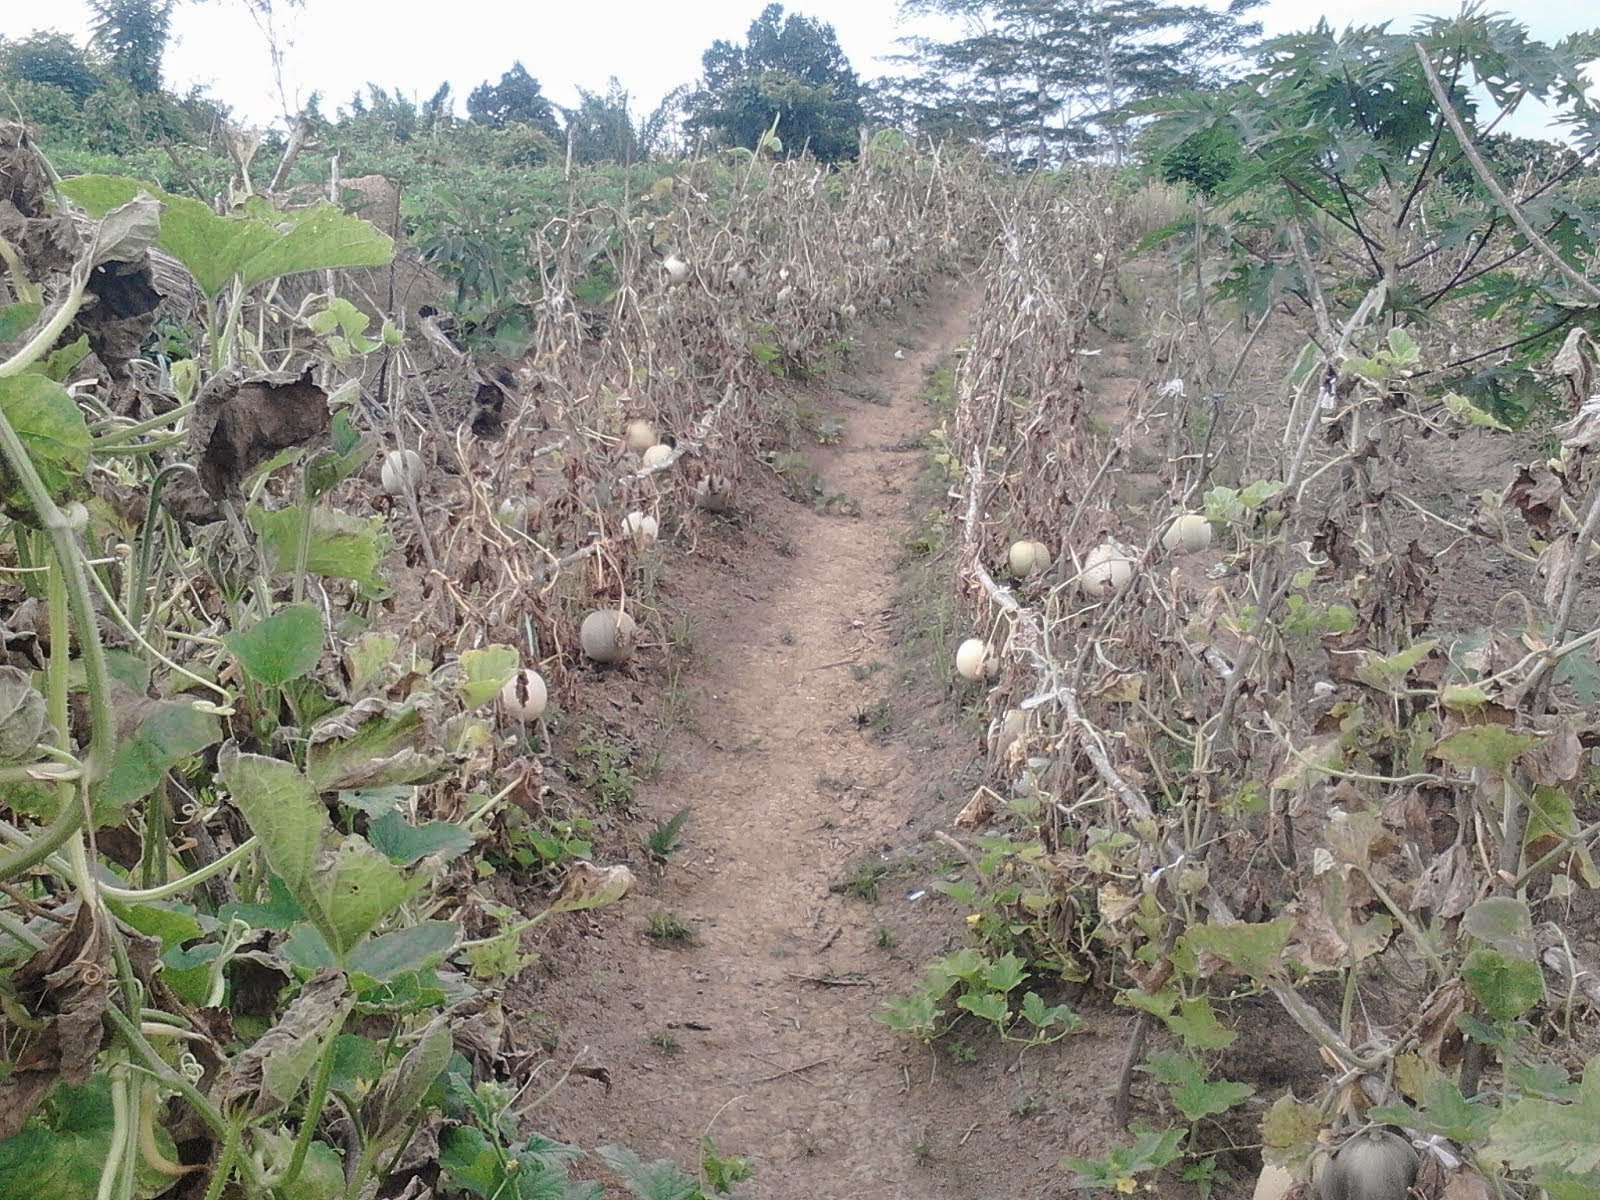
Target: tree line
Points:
(1035, 81)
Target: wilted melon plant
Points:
(221, 917)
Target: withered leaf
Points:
(1449, 885)
(65, 987)
(258, 1078)
(1557, 759)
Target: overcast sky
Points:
(337, 46)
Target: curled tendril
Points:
(191, 1068)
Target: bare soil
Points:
(808, 763)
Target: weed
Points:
(667, 1042)
(863, 882)
(864, 671)
(722, 1171)
(787, 637)
(682, 636)
(607, 776)
(877, 716)
(666, 838)
(922, 1149)
(669, 929)
(883, 937)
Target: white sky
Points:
(338, 46)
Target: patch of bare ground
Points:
(734, 995)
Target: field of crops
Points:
(1251, 534)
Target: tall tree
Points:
(51, 58)
(132, 34)
(601, 128)
(515, 100)
(1044, 80)
(791, 71)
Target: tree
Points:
(790, 70)
(601, 128)
(515, 100)
(50, 58)
(133, 36)
(1341, 169)
(1046, 80)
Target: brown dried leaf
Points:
(1536, 494)
(1464, 1183)
(65, 987)
(978, 811)
(1449, 886)
(256, 1077)
(240, 422)
(588, 886)
(1557, 759)
(1439, 1041)
(1573, 363)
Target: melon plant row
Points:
(1233, 753)
(283, 629)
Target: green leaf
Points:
(1465, 411)
(342, 546)
(1388, 674)
(377, 801)
(1253, 949)
(285, 646)
(282, 809)
(1006, 973)
(989, 1006)
(405, 843)
(917, 1014)
(1506, 987)
(1041, 1017)
(173, 731)
(308, 950)
(484, 672)
(1531, 1134)
(60, 1153)
(321, 1178)
(52, 430)
(253, 247)
(1192, 1093)
(329, 468)
(355, 888)
(1491, 748)
(173, 924)
(278, 914)
(659, 1180)
(16, 319)
(414, 948)
(470, 1161)
(1196, 1023)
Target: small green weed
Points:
(665, 839)
(607, 776)
(667, 1042)
(862, 882)
(883, 937)
(669, 929)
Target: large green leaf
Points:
(252, 247)
(1539, 1133)
(342, 546)
(484, 672)
(410, 949)
(285, 646)
(405, 843)
(53, 432)
(283, 811)
(60, 1156)
(172, 731)
(1506, 987)
(356, 887)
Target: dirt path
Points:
(761, 1033)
